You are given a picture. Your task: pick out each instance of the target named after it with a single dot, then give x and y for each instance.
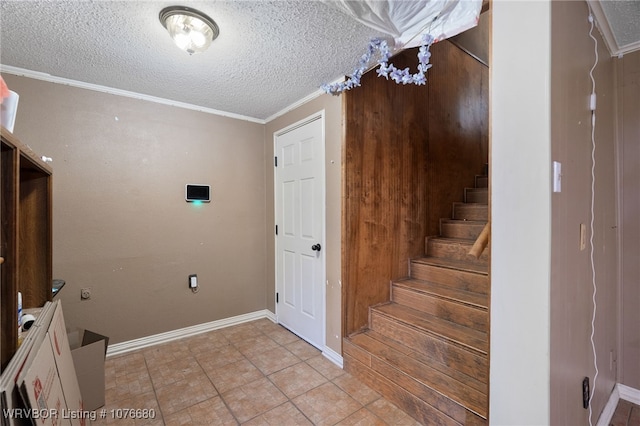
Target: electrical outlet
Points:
(85, 293)
(193, 281)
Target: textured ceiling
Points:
(624, 20)
(269, 55)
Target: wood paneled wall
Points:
(384, 206)
(458, 123)
(408, 153)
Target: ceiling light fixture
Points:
(190, 29)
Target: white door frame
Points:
(320, 115)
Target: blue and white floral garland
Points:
(386, 70)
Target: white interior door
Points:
(300, 259)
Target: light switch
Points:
(193, 281)
(557, 176)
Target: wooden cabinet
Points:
(25, 236)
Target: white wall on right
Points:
(520, 212)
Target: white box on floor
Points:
(88, 350)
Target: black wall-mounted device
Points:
(586, 393)
(197, 193)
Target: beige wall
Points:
(121, 225)
(122, 228)
(332, 106)
(123, 243)
(572, 56)
(629, 164)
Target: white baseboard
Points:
(619, 392)
(332, 356)
(629, 394)
(609, 408)
(156, 339)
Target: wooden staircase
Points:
(426, 350)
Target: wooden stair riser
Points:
(458, 313)
(438, 403)
(470, 230)
(423, 358)
(482, 181)
(469, 281)
(414, 406)
(454, 249)
(420, 379)
(476, 195)
(446, 352)
(465, 211)
(452, 294)
(472, 340)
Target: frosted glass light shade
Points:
(191, 30)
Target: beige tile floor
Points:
(256, 373)
(626, 414)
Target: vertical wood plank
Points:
(384, 210)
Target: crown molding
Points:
(110, 90)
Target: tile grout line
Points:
(153, 386)
(219, 394)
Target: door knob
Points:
(316, 247)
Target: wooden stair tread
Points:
(457, 228)
(476, 195)
(482, 181)
(477, 300)
(453, 240)
(472, 205)
(358, 363)
(455, 249)
(470, 211)
(471, 339)
(461, 389)
(424, 358)
(477, 206)
(453, 264)
(464, 222)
